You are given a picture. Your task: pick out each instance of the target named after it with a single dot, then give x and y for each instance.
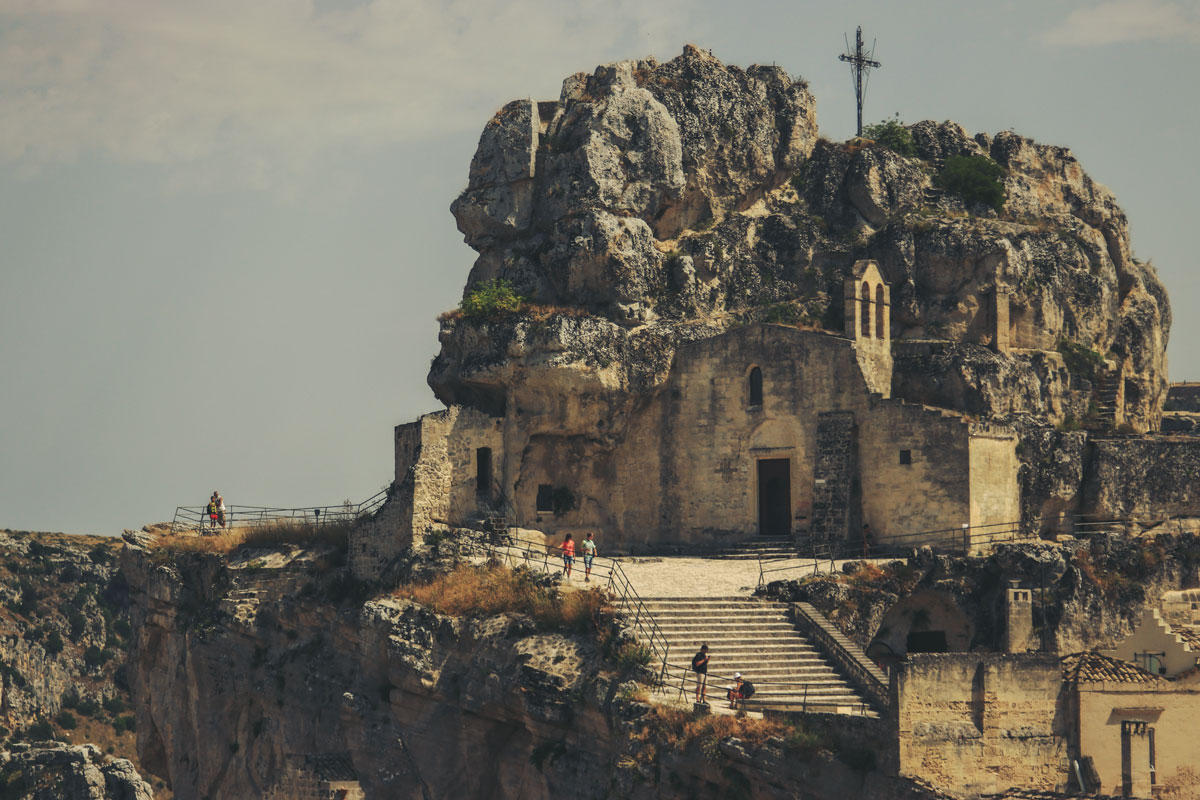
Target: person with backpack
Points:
(742, 690)
(212, 511)
(700, 668)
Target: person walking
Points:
(589, 552)
(568, 554)
(700, 667)
(866, 540)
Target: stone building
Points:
(761, 429)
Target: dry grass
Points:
(267, 535)
(667, 729)
(488, 590)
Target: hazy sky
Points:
(224, 234)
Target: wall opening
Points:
(906, 456)
(756, 394)
(774, 497)
(545, 497)
(879, 311)
(483, 471)
(927, 642)
(864, 311)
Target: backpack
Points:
(747, 690)
(696, 659)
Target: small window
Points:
(864, 311)
(483, 470)
(906, 456)
(756, 387)
(545, 497)
(880, 307)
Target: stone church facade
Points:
(764, 429)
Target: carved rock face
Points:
(661, 197)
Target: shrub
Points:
(490, 299)
(70, 699)
(66, 721)
(489, 590)
(39, 730)
(94, 656)
(976, 179)
(114, 705)
(88, 708)
(125, 723)
(53, 644)
(1080, 359)
(892, 134)
(78, 624)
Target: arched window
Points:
(756, 387)
(864, 311)
(879, 312)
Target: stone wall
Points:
(1183, 397)
(685, 465)
(994, 493)
(1165, 710)
(982, 722)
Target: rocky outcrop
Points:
(51, 771)
(247, 678)
(1096, 590)
(652, 197)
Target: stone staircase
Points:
(760, 547)
(757, 639)
(1108, 388)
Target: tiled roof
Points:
(1093, 666)
(1189, 634)
(1035, 794)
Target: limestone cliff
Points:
(240, 669)
(653, 203)
(49, 771)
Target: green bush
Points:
(1081, 360)
(88, 708)
(489, 299)
(54, 643)
(94, 656)
(893, 135)
(115, 705)
(976, 179)
(66, 721)
(39, 730)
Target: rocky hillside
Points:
(64, 634)
(652, 203)
(245, 662)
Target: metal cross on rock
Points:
(860, 67)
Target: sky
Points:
(224, 226)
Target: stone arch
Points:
(754, 386)
(865, 310)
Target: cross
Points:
(860, 68)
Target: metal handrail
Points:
(196, 517)
(976, 535)
(759, 686)
(626, 598)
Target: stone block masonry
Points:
(982, 722)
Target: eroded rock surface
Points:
(651, 203)
(52, 771)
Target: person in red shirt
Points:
(568, 551)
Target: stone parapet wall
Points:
(980, 722)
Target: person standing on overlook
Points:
(700, 667)
(568, 554)
(589, 553)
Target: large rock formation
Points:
(50, 771)
(653, 203)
